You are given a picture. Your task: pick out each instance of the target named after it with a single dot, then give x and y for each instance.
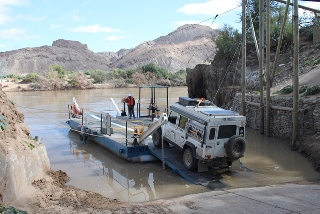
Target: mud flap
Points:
(202, 166)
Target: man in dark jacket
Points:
(130, 102)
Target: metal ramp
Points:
(173, 159)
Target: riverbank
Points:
(51, 195)
(20, 87)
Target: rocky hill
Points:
(184, 48)
(72, 55)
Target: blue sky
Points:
(107, 25)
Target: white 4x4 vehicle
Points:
(207, 135)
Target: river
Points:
(90, 167)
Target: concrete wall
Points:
(281, 119)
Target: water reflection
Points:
(131, 182)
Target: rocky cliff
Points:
(184, 48)
(216, 82)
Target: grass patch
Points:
(317, 61)
(11, 210)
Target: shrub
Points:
(12, 210)
(99, 76)
(80, 80)
(3, 124)
(59, 69)
(312, 90)
(287, 90)
(31, 78)
(303, 89)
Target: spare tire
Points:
(235, 147)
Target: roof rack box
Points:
(187, 101)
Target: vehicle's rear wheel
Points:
(189, 161)
(235, 147)
(157, 138)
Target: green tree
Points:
(227, 43)
(277, 11)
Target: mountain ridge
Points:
(183, 48)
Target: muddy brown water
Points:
(267, 161)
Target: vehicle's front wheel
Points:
(157, 138)
(189, 161)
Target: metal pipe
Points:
(101, 124)
(167, 100)
(244, 44)
(69, 110)
(275, 64)
(295, 75)
(268, 68)
(126, 133)
(82, 116)
(261, 62)
(300, 6)
(253, 31)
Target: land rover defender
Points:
(207, 135)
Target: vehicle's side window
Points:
(212, 133)
(183, 121)
(173, 117)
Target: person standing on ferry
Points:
(130, 102)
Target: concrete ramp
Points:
(173, 159)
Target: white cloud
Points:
(211, 24)
(16, 34)
(31, 18)
(77, 18)
(115, 38)
(211, 7)
(12, 2)
(5, 9)
(55, 26)
(94, 29)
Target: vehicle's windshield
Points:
(182, 122)
(173, 117)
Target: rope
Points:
(214, 18)
(26, 108)
(225, 73)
